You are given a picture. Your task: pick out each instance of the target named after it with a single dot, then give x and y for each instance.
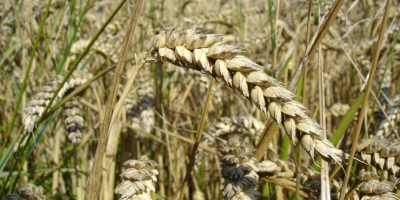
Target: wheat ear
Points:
(383, 154)
(204, 52)
(72, 111)
(142, 113)
(241, 125)
(139, 179)
(30, 192)
(36, 106)
(384, 128)
(371, 188)
(239, 170)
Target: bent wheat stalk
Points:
(206, 53)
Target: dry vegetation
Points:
(228, 99)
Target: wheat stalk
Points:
(372, 188)
(308, 177)
(36, 106)
(204, 52)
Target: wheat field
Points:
(199, 100)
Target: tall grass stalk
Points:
(365, 101)
(93, 185)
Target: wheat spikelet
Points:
(72, 111)
(384, 128)
(35, 107)
(383, 154)
(29, 192)
(204, 52)
(139, 179)
(372, 188)
(238, 170)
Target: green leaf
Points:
(344, 124)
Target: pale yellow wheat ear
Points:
(206, 53)
(72, 112)
(371, 188)
(383, 154)
(138, 179)
(36, 106)
(239, 170)
(29, 192)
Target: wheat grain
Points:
(204, 52)
(35, 107)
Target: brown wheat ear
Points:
(206, 53)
